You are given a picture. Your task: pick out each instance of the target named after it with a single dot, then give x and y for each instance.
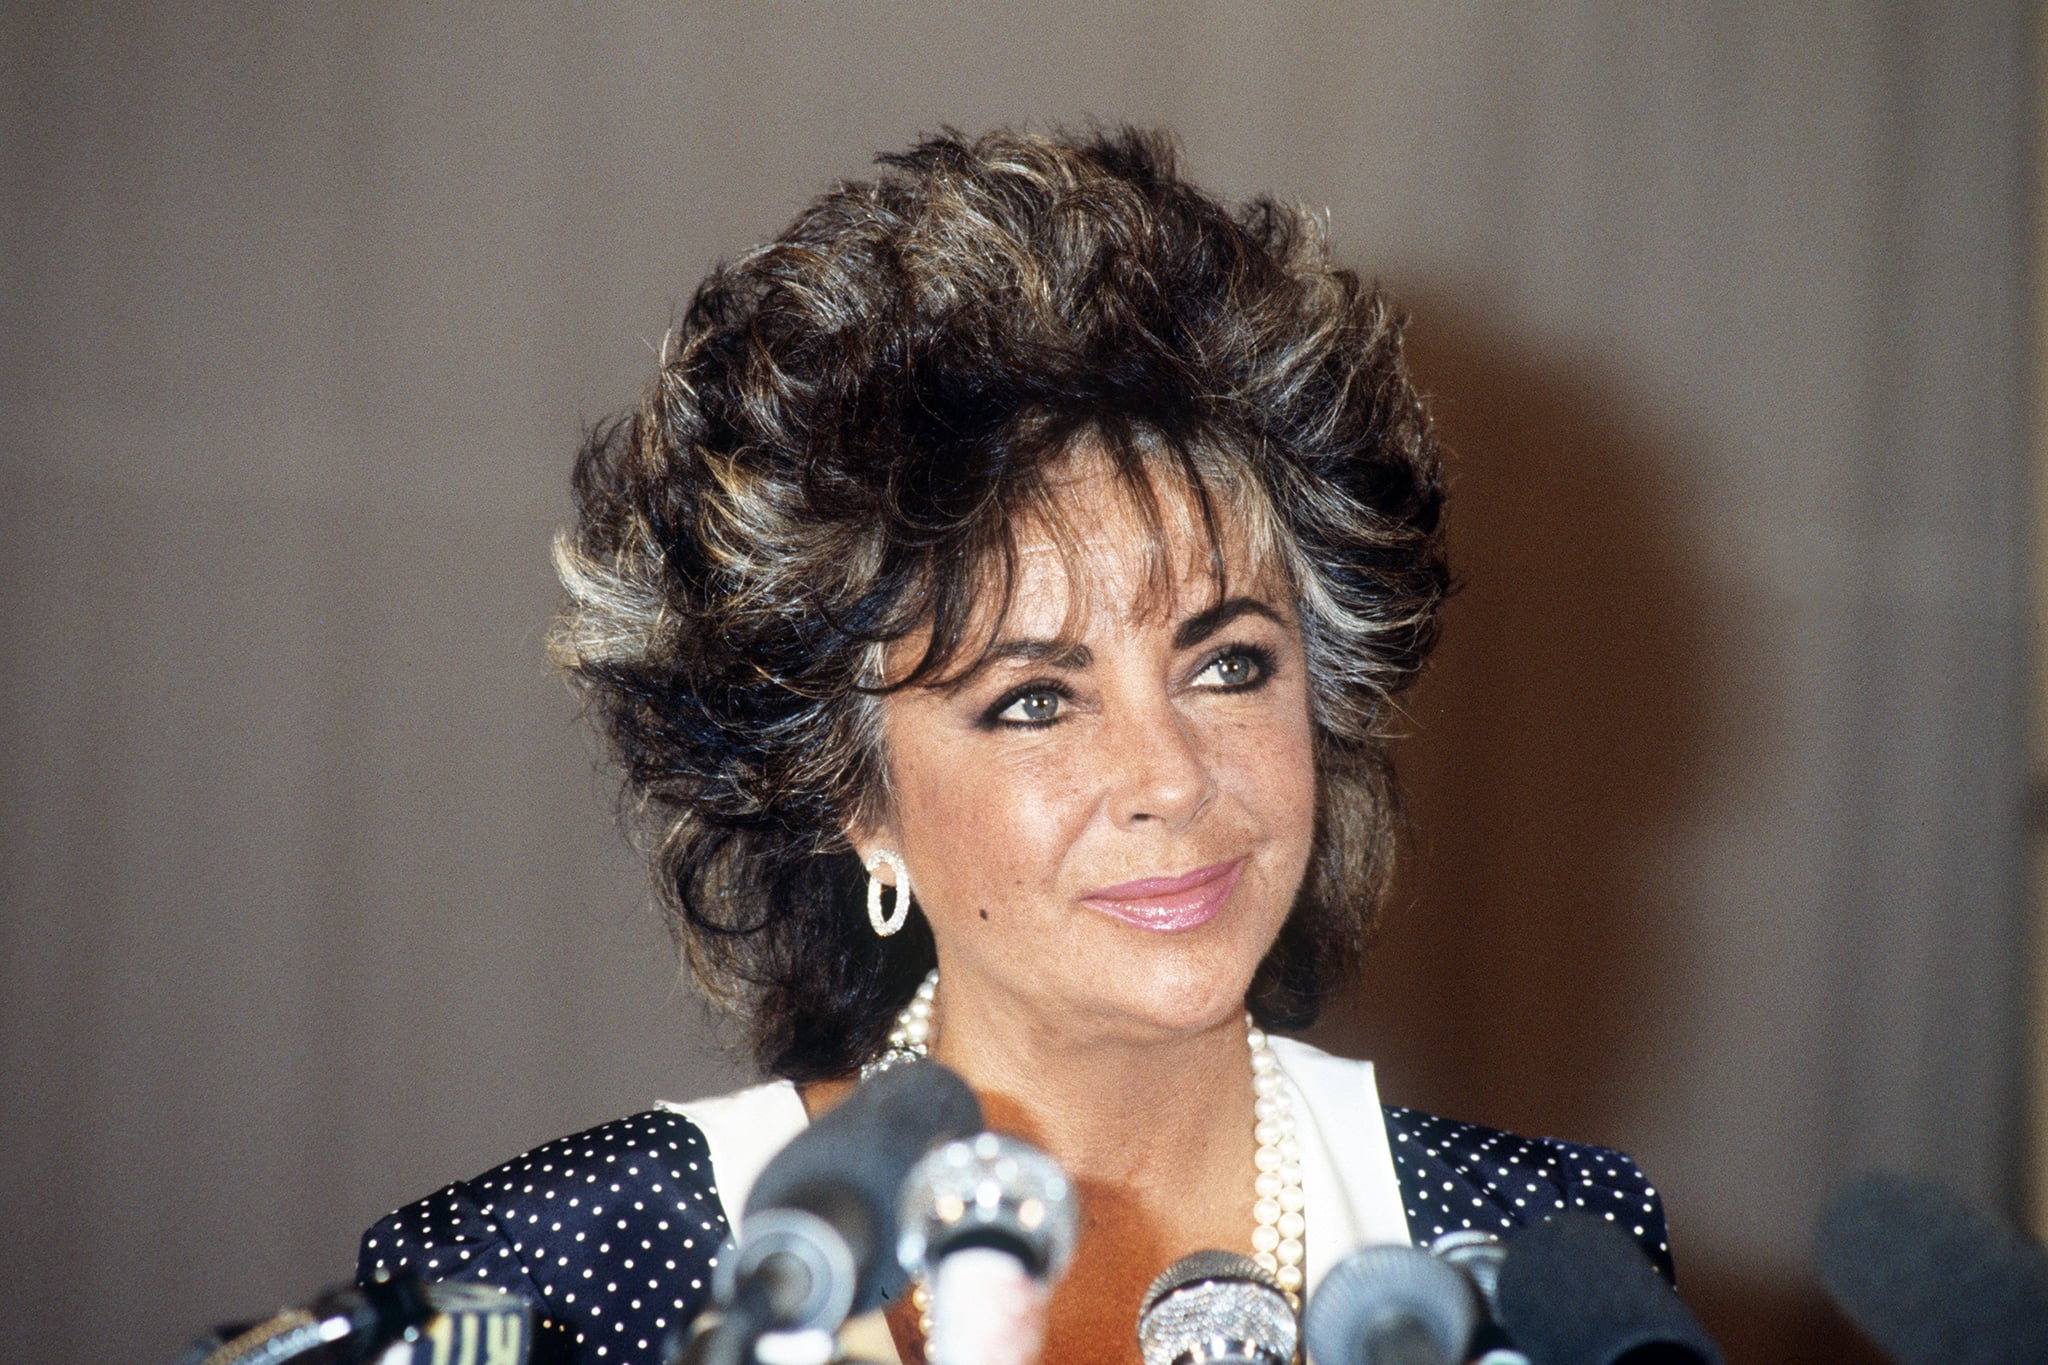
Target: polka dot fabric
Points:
(1460, 1175)
(611, 1233)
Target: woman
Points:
(994, 607)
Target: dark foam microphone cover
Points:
(849, 1166)
(1929, 1278)
(1577, 1290)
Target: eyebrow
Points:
(1072, 657)
(1053, 653)
(1203, 624)
(1067, 657)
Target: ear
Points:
(866, 838)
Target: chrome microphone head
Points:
(988, 1191)
(1216, 1308)
(990, 1222)
(1390, 1303)
(1479, 1255)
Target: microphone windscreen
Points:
(849, 1165)
(1577, 1290)
(1391, 1302)
(1216, 1306)
(1929, 1278)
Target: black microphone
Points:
(1391, 1305)
(1929, 1278)
(351, 1324)
(1216, 1308)
(1577, 1290)
(990, 1222)
(817, 1241)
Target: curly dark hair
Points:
(847, 425)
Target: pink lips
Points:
(1169, 904)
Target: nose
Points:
(1159, 773)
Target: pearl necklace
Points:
(1279, 1212)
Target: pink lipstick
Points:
(1169, 904)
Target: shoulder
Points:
(1462, 1175)
(612, 1233)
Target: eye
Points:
(1236, 669)
(1036, 705)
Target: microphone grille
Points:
(1479, 1255)
(1216, 1306)
(1373, 1288)
(989, 1189)
(1198, 1266)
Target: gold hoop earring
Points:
(899, 911)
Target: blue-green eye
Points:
(1033, 706)
(1236, 669)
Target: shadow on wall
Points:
(1584, 706)
(1567, 731)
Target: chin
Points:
(1185, 998)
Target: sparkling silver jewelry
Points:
(899, 910)
(1279, 1213)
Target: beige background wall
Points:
(311, 897)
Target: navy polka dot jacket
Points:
(612, 1233)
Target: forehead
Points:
(1097, 545)
(1100, 545)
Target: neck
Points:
(1152, 1128)
(1110, 1105)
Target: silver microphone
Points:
(1216, 1308)
(1480, 1255)
(817, 1239)
(1391, 1305)
(990, 1222)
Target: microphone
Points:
(1216, 1308)
(1929, 1278)
(471, 1322)
(1391, 1305)
(990, 1222)
(817, 1241)
(1577, 1290)
(1480, 1256)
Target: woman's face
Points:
(1106, 826)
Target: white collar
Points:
(743, 1130)
(1347, 1166)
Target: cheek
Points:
(1272, 771)
(1298, 759)
(1274, 784)
(979, 834)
